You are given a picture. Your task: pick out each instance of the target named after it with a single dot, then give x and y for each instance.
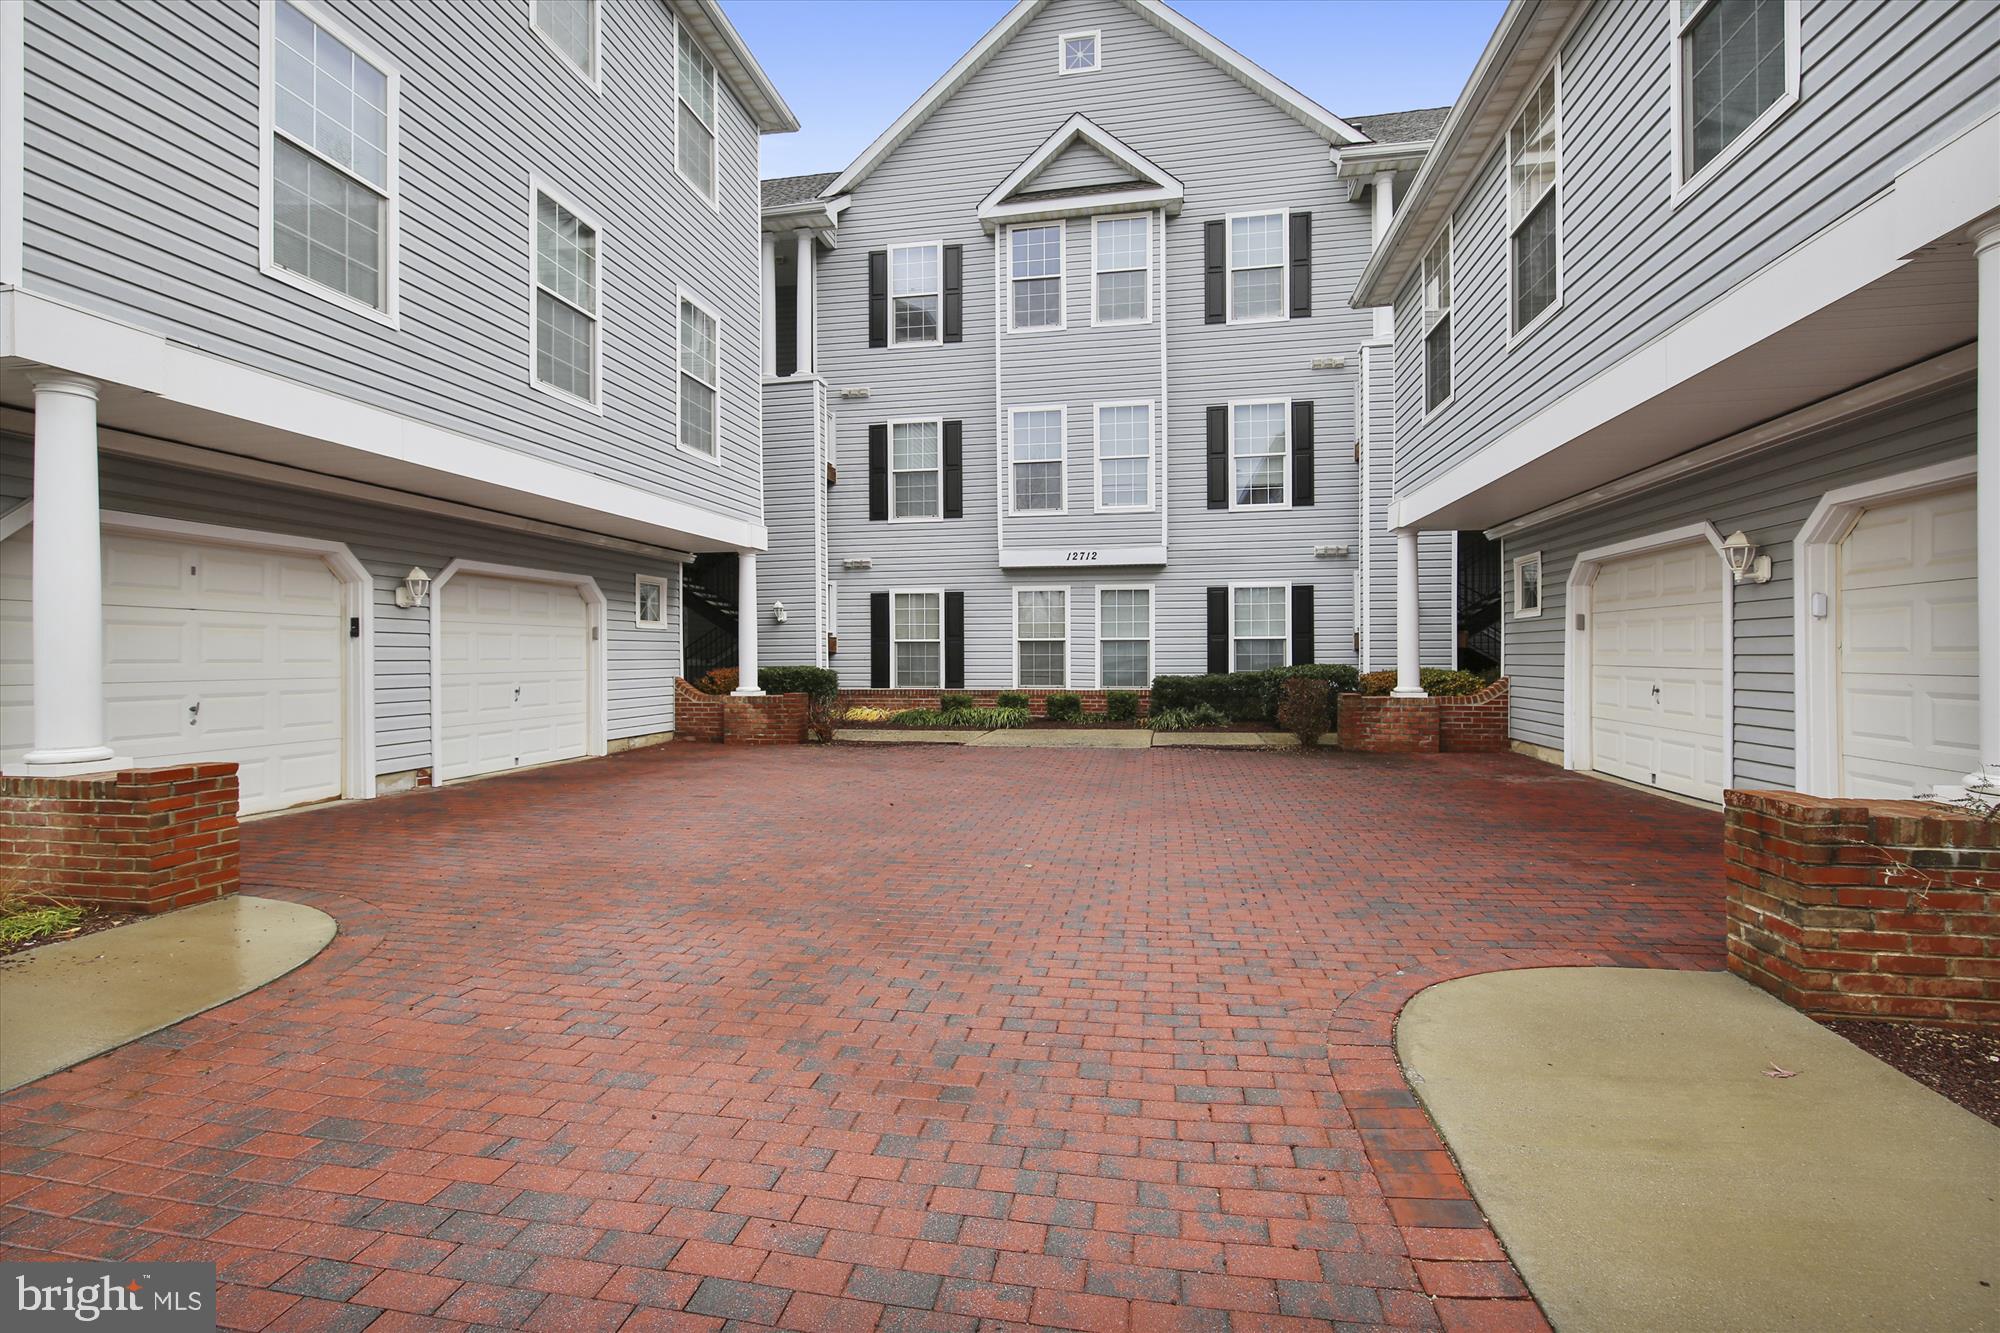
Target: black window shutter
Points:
(878, 640)
(1218, 630)
(954, 469)
(878, 298)
(1218, 458)
(954, 293)
(1214, 309)
(1302, 265)
(1302, 623)
(954, 640)
(878, 472)
(1302, 453)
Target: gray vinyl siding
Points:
(792, 571)
(1769, 496)
(1078, 164)
(642, 663)
(1437, 552)
(1881, 85)
(142, 150)
(1233, 151)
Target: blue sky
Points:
(849, 67)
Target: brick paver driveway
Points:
(848, 1037)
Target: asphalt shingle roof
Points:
(782, 190)
(1402, 126)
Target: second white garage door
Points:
(515, 655)
(1656, 671)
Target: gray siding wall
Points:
(142, 145)
(1769, 496)
(642, 663)
(1880, 85)
(792, 571)
(1078, 164)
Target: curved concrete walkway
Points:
(63, 1003)
(1621, 1132)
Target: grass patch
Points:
(20, 925)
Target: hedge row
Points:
(1247, 696)
(817, 683)
(1443, 682)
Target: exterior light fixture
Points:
(1744, 563)
(858, 562)
(415, 590)
(778, 613)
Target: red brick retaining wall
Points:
(737, 719)
(897, 700)
(1878, 909)
(142, 840)
(1384, 724)
(697, 716)
(1474, 723)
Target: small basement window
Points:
(1528, 586)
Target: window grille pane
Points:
(697, 80)
(1124, 448)
(1127, 665)
(1037, 251)
(1124, 614)
(1260, 612)
(914, 445)
(1535, 262)
(567, 24)
(1124, 483)
(913, 270)
(1259, 654)
(1080, 53)
(917, 615)
(1257, 294)
(1122, 243)
(1043, 665)
(1260, 428)
(1532, 151)
(916, 319)
(563, 352)
(1037, 486)
(919, 665)
(698, 356)
(1734, 58)
(325, 225)
(1256, 242)
(1038, 303)
(1037, 436)
(917, 495)
(1437, 363)
(565, 255)
(331, 99)
(1043, 614)
(1121, 295)
(696, 151)
(697, 416)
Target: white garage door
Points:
(1656, 671)
(210, 653)
(515, 658)
(1909, 647)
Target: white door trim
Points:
(1577, 700)
(357, 604)
(1816, 639)
(596, 733)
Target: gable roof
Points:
(1402, 126)
(1285, 97)
(1015, 199)
(782, 190)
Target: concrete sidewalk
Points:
(1080, 738)
(1620, 1130)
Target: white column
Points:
(1385, 211)
(68, 586)
(770, 305)
(1986, 246)
(749, 615)
(1409, 680)
(806, 264)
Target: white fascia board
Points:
(1253, 76)
(53, 334)
(1930, 199)
(738, 65)
(1079, 557)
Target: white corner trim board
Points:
(1815, 572)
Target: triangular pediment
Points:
(1080, 168)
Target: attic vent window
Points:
(1079, 53)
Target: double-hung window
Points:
(1041, 638)
(917, 631)
(1736, 63)
(1121, 250)
(1534, 202)
(1259, 453)
(701, 381)
(331, 189)
(1124, 638)
(570, 27)
(1259, 627)
(1035, 447)
(566, 288)
(1035, 273)
(916, 469)
(1124, 456)
(1256, 267)
(1437, 322)
(694, 145)
(916, 287)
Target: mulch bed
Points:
(94, 920)
(1043, 724)
(1962, 1066)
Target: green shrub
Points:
(1064, 707)
(967, 719)
(1305, 706)
(1442, 681)
(1011, 699)
(1247, 696)
(1121, 706)
(817, 683)
(1189, 718)
(955, 703)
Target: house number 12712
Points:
(1083, 556)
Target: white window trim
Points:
(1541, 588)
(1096, 36)
(1684, 184)
(1152, 612)
(1062, 410)
(1097, 455)
(1069, 636)
(639, 582)
(712, 199)
(1145, 268)
(1514, 335)
(890, 278)
(683, 294)
(1286, 472)
(1284, 216)
(938, 517)
(593, 77)
(1061, 275)
(1286, 601)
(1449, 236)
(390, 312)
(539, 185)
(895, 672)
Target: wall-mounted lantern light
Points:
(1744, 562)
(778, 613)
(415, 589)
